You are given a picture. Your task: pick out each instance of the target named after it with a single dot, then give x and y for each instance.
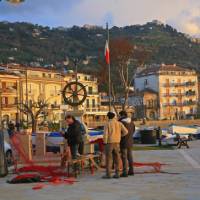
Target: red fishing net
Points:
(150, 167)
(31, 172)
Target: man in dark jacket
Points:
(73, 135)
(126, 144)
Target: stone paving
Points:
(181, 186)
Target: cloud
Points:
(188, 21)
(182, 14)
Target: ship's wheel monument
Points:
(74, 94)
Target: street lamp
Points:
(3, 163)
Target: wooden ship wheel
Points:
(74, 94)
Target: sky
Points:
(181, 14)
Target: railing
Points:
(190, 83)
(8, 106)
(179, 84)
(53, 106)
(153, 106)
(173, 94)
(92, 93)
(190, 93)
(45, 77)
(9, 90)
(96, 109)
(188, 103)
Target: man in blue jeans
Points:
(73, 135)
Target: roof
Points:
(163, 68)
(23, 67)
(8, 73)
(148, 90)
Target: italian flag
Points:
(107, 53)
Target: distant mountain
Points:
(27, 43)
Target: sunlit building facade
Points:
(177, 89)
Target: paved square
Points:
(181, 186)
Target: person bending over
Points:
(73, 135)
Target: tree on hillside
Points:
(124, 58)
(35, 110)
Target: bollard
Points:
(3, 163)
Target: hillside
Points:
(28, 43)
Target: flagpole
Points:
(109, 75)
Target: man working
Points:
(113, 132)
(126, 144)
(73, 135)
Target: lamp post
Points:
(3, 163)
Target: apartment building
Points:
(36, 84)
(177, 89)
(9, 85)
(145, 104)
(31, 84)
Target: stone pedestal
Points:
(40, 144)
(26, 144)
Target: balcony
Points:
(92, 93)
(54, 106)
(173, 84)
(7, 106)
(185, 84)
(190, 93)
(172, 104)
(191, 83)
(173, 94)
(97, 109)
(190, 103)
(186, 103)
(10, 90)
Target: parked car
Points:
(8, 153)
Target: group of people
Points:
(117, 138)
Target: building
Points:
(9, 87)
(92, 106)
(177, 89)
(145, 104)
(35, 84)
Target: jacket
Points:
(127, 141)
(74, 133)
(113, 131)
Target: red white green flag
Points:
(107, 53)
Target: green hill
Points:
(27, 43)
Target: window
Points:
(93, 103)
(90, 90)
(5, 100)
(145, 82)
(16, 100)
(88, 103)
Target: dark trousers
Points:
(126, 155)
(112, 154)
(81, 148)
(74, 151)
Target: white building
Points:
(177, 89)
